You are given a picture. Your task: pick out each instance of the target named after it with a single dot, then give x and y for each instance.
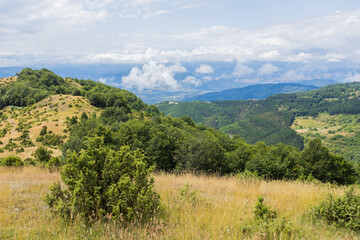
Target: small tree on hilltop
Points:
(105, 184)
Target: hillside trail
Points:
(13, 130)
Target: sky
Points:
(159, 36)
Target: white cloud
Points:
(204, 68)
(242, 70)
(103, 80)
(292, 76)
(352, 77)
(153, 76)
(192, 80)
(268, 69)
(54, 31)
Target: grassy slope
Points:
(336, 131)
(51, 112)
(218, 209)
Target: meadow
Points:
(193, 207)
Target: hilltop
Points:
(21, 127)
(37, 99)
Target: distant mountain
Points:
(259, 91)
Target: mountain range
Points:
(258, 91)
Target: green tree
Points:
(325, 166)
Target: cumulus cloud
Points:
(292, 76)
(204, 68)
(154, 76)
(352, 77)
(103, 80)
(331, 38)
(268, 69)
(242, 70)
(192, 80)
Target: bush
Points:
(343, 211)
(43, 131)
(262, 211)
(266, 225)
(29, 162)
(42, 155)
(105, 184)
(54, 162)
(12, 161)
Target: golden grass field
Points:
(212, 208)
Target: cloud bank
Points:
(153, 76)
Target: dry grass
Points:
(7, 80)
(218, 209)
(51, 112)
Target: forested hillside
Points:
(269, 120)
(43, 109)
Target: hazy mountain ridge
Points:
(258, 91)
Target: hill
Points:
(259, 91)
(270, 120)
(106, 142)
(39, 108)
(20, 127)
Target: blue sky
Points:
(159, 36)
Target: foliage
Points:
(343, 211)
(325, 166)
(11, 161)
(269, 120)
(261, 211)
(43, 131)
(275, 162)
(42, 154)
(103, 183)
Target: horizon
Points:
(170, 50)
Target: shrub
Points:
(43, 131)
(262, 211)
(54, 162)
(42, 155)
(12, 161)
(29, 162)
(266, 225)
(105, 184)
(343, 211)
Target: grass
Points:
(338, 132)
(49, 112)
(195, 207)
